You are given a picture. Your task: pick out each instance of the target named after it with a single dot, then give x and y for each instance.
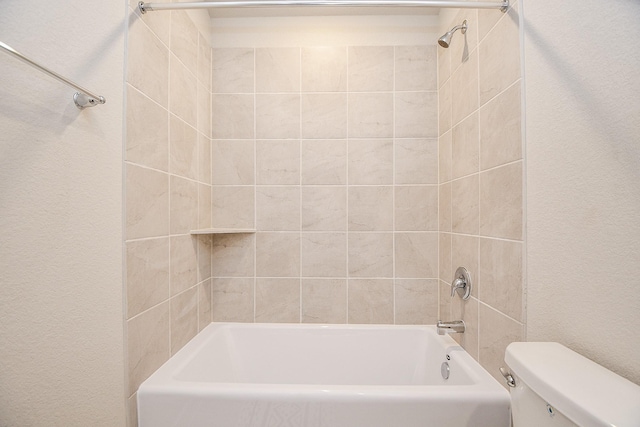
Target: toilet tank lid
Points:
(587, 393)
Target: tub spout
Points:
(455, 326)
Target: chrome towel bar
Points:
(83, 98)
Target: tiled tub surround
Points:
(168, 190)
(481, 170)
(331, 153)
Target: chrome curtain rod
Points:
(502, 5)
(83, 98)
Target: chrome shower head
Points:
(445, 40)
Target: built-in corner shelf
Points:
(224, 231)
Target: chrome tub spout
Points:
(454, 326)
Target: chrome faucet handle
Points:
(461, 283)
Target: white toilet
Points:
(555, 386)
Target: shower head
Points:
(446, 38)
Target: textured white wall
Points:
(61, 318)
(582, 69)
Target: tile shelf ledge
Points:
(224, 231)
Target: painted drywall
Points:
(582, 64)
(307, 31)
(61, 316)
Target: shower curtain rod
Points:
(83, 98)
(502, 5)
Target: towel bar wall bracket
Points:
(82, 99)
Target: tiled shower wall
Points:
(481, 174)
(331, 154)
(168, 190)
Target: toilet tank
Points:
(558, 387)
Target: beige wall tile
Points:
(324, 254)
(416, 255)
(465, 205)
(278, 300)
(147, 274)
(324, 300)
(204, 206)
(147, 131)
(278, 208)
(233, 255)
(371, 301)
(204, 304)
(132, 411)
(204, 159)
(444, 306)
(184, 263)
(183, 205)
(467, 311)
(445, 105)
(496, 333)
(370, 68)
(464, 89)
(324, 115)
(487, 19)
(465, 147)
(277, 255)
(232, 300)
(416, 161)
(233, 162)
(183, 91)
(204, 110)
(324, 69)
(501, 129)
(370, 255)
(501, 202)
(370, 161)
(184, 39)
(444, 65)
(324, 208)
(232, 70)
(500, 276)
(416, 208)
(277, 116)
(416, 114)
(370, 115)
(278, 162)
(184, 318)
(324, 162)
(464, 253)
(444, 208)
(149, 343)
(415, 68)
(232, 116)
(445, 159)
(204, 62)
(277, 70)
(444, 252)
(183, 152)
(371, 208)
(416, 301)
(205, 246)
(147, 62)
(500, 57)
(233, 206)
(147, 203)
(159, 23)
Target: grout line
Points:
(255, 180)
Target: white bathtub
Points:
(241, 375)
